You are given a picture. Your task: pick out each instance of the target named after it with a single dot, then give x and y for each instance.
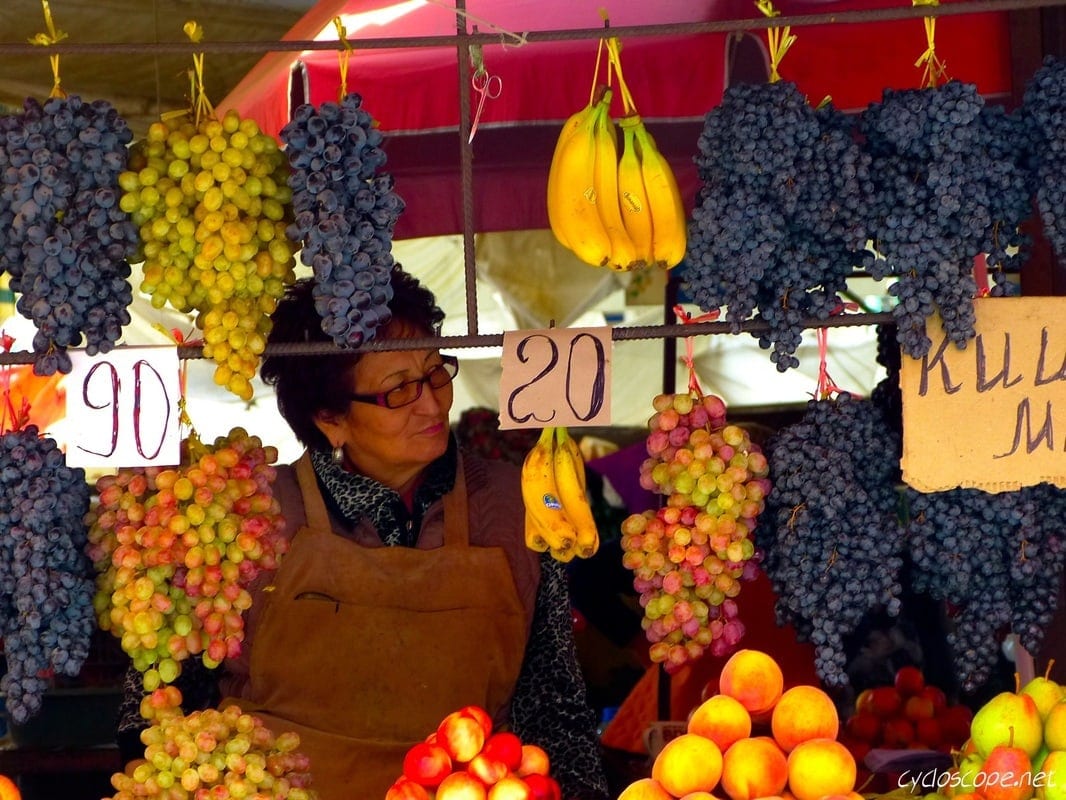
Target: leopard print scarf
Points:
(355, 497)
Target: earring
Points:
(338, 455)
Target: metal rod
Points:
(530, 37)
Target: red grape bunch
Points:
(689, 557)
(176, 548)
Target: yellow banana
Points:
(623, 254)
(550, 528)
(633, 198)
(572, 212)
(668, 223)
(570, 482)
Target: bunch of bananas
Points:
(558, 514)
(614, 205)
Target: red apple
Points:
(506, 747)
(928, 732)
(482, 717)
(543, 787)
(885, 701)
(534, 761)
(486, 769)
(406, 789)
(461, 735)
(864, 726)
(427, 764)
(864, 701)
(510, 787)
(937, 696)
(897, 733)
(909, 680)
(461, 786)
(917, 707)
(955, 723)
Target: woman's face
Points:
(392, 445)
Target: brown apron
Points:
(363, 650)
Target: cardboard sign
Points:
(557, 377)
(991, 416)
(123, 408)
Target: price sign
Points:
(122, 408)
(557, 376)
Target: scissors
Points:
(487, 86)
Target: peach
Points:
(645, 789)
(699, 796)
(406, 789)
(461, 735)
(818, 767)
(533, 760)
(754, 678)
(510, 787)
(461, 786)
(688, 763)
(427, 764)
(754, 767)
(804, 712)
(722, 719)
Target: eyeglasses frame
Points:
(448, 364)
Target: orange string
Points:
(686, 318)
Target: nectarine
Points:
(818, 767)
(804, 712)
(754, 767)
(754, 678)
(645, 789)
(722, 719)
(688, 763)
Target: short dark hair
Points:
(306, 385)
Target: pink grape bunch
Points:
(690, 557)
(215, 755)
(176, 548)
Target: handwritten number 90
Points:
(107, 375)
(595, 392)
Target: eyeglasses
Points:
(409, 391)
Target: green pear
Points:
(1038, 759)
(966, 778)
(1055, 727)
(1052, 776)
(1044, 691)
(994, 720)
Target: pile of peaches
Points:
(754, 739)
(465, 759)
(910, 713)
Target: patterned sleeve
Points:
(550, 705)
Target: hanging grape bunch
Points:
(778, 225)
(345, 213)
(176, 548)
(1043, 104)
(46, 579)
(1010, 583)
(64, 238)
(689, 558)
(212, 205)
(949, 185)
(830, 530)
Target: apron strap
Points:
(456, 520)
(314, 505)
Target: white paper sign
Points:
(557, 377)
(122, 408)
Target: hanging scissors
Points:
(487, 86)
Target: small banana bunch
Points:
(614, 204)
(557, 510)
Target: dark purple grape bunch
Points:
(64, 238)
(46, 577)
(345, 213)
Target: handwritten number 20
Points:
(107, 374)
(595, 398)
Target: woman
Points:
(407, 591)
